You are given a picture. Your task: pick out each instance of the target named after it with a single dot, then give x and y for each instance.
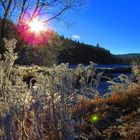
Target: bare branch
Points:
(13, 8)
(29, 9)
(3, 4)
(22, 9)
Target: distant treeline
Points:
(60, 49)
(83, 53)
(64, 50)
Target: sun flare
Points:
(36, 26)
(35, 31)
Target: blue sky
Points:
(114, 24)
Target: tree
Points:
(29, 9)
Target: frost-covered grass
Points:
(44, 109)
(56, 107)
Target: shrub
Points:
(44, 110)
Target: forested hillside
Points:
(63, 50)
(59, 49)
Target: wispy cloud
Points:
(77, 37)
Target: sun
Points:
(35, 32)
(36, 26)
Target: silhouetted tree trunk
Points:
(5, 18)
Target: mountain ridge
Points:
(128, 55)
